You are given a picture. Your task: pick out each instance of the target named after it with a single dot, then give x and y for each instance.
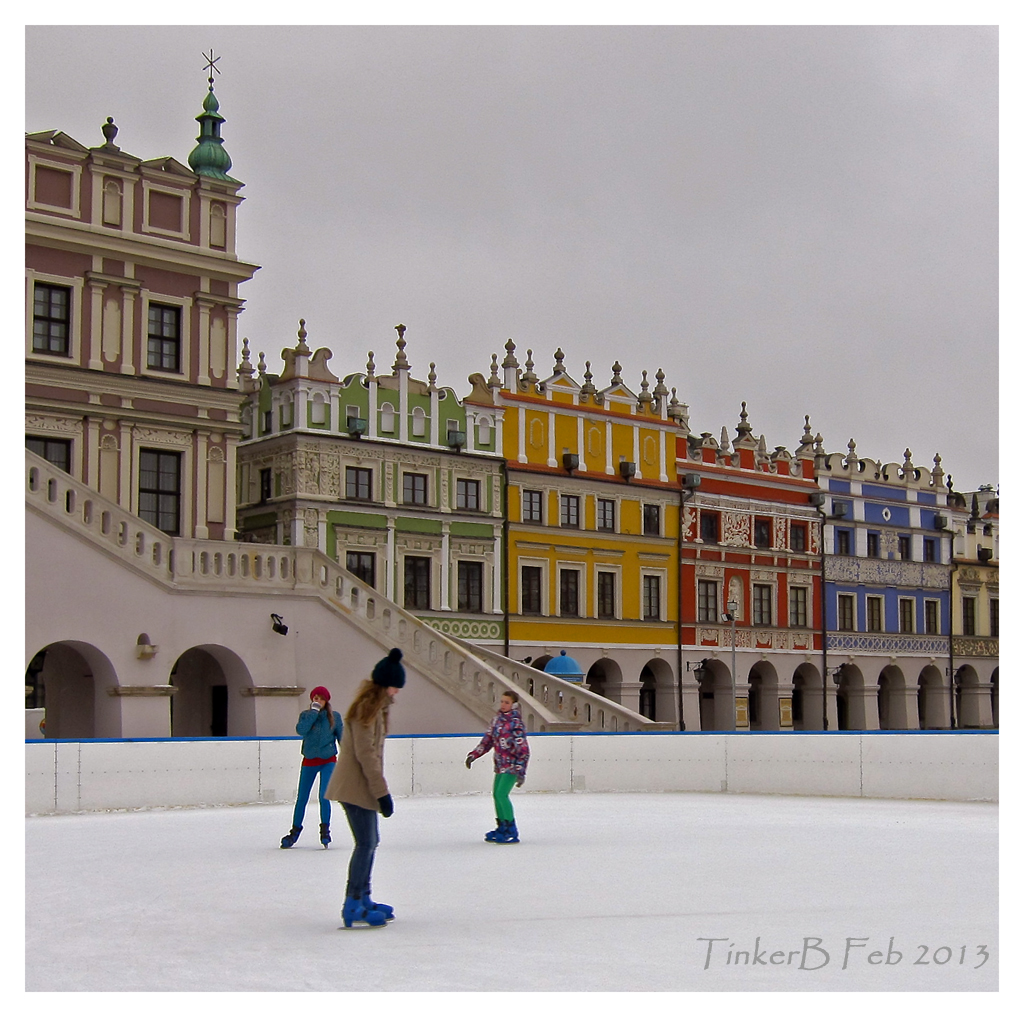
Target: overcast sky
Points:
(804, 218)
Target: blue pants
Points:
(308, 774)
(363, 823)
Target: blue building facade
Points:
(889, 544)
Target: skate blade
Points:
(359, 926)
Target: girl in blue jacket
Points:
(320, 728)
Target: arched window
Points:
(419, 422)
(387, 418)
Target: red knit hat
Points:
(321, 692)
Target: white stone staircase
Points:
(475, 677)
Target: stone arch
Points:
(973, 700)
(603, 676)
(851, 700)
(893, 714)
(209, 699)
(763, 697)
(807, 698)
(658, 690)
(932, 699)
(70, 680)
(717, 710)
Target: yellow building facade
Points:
(593, 526)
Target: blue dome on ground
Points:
(564, 667)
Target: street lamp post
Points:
(733, 607)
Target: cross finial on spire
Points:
(211, 66)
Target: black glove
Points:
(387, 806)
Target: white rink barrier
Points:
(94, 775)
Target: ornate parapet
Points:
(889, 644)
(470, 629)
(879, 572)
(975, 646)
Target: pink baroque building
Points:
(130, 346)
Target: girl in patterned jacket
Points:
(507, 736)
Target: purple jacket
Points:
(507, 736)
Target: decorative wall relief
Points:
(736, 529)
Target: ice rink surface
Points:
(606, 892)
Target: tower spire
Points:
(209, 158)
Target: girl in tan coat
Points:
(358, 784)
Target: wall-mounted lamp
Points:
(144, 648)
(698, 667)
(278, 625)
(570, 461)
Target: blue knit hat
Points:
(389, 672)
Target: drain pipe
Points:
(817, 499)
(687, 489)
(504, 549)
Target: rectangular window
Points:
(762, 533)
(906, 615)
(652, 520)
(164, 338)
(160, 489)
(414, 488)
(51, 320)
(362, 565)
(605, 514)
(873, 545)
(570, 511)
(471, 586)
(652, 598)
(358, 483)
(55, 451)
(931, 617)
(798, 606)
(417, 583)
(533, 507)
(707, 600)
(606, 595)
(844, 541)
(798, 536)
(762, 605)
(845, 615)
(467, 495)
(930, 549)
(993, 618)
(530, 590)
(266, 484)
(709, 527)
(569, 592)
(970, 623)
(904, 547)
(875, 605)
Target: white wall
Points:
(96, 775)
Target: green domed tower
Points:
(209, 158)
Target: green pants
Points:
(503, 784)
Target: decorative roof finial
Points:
(401, 360)
(528, 378)
(510, 358)
(302, 349)
(559, 357)
(109, 133)
(432, 376)
(261, 366)
(209, 158)
(644, 399)
(660, 389)
(616, 373)
(371, 368)
(587, 389)
(245, 368)
(494, 381)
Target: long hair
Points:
(330, 715)
(370, 700)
